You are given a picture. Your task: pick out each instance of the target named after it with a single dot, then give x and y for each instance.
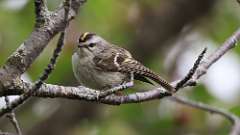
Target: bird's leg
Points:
(120, 87)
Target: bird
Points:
(101, 65)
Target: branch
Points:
(236, 128)
(191, 72)
(41, 12)
(25, 55)
(206, 64)
(202, 69)
(211, 109)
(12, 117)
(47, 71)
(40, 8)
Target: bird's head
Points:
(91, 44)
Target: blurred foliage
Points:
(235, 110)
(223, 22)
(117, 21)
(200, 93)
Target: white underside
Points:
(93, 78)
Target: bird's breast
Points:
(88, 75)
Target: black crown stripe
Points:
(86, 36)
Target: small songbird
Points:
(100, 65)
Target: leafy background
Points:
(165, 35)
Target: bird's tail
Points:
(153, 76)
(138, 69)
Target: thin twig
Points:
(224, 48)
(211, 109)
(191, 72)
(11, 116)
(235, 120)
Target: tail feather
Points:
(139, 69)
(160, 81)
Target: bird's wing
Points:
(111, 59)
(120, 60)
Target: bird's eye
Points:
(91, 44)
